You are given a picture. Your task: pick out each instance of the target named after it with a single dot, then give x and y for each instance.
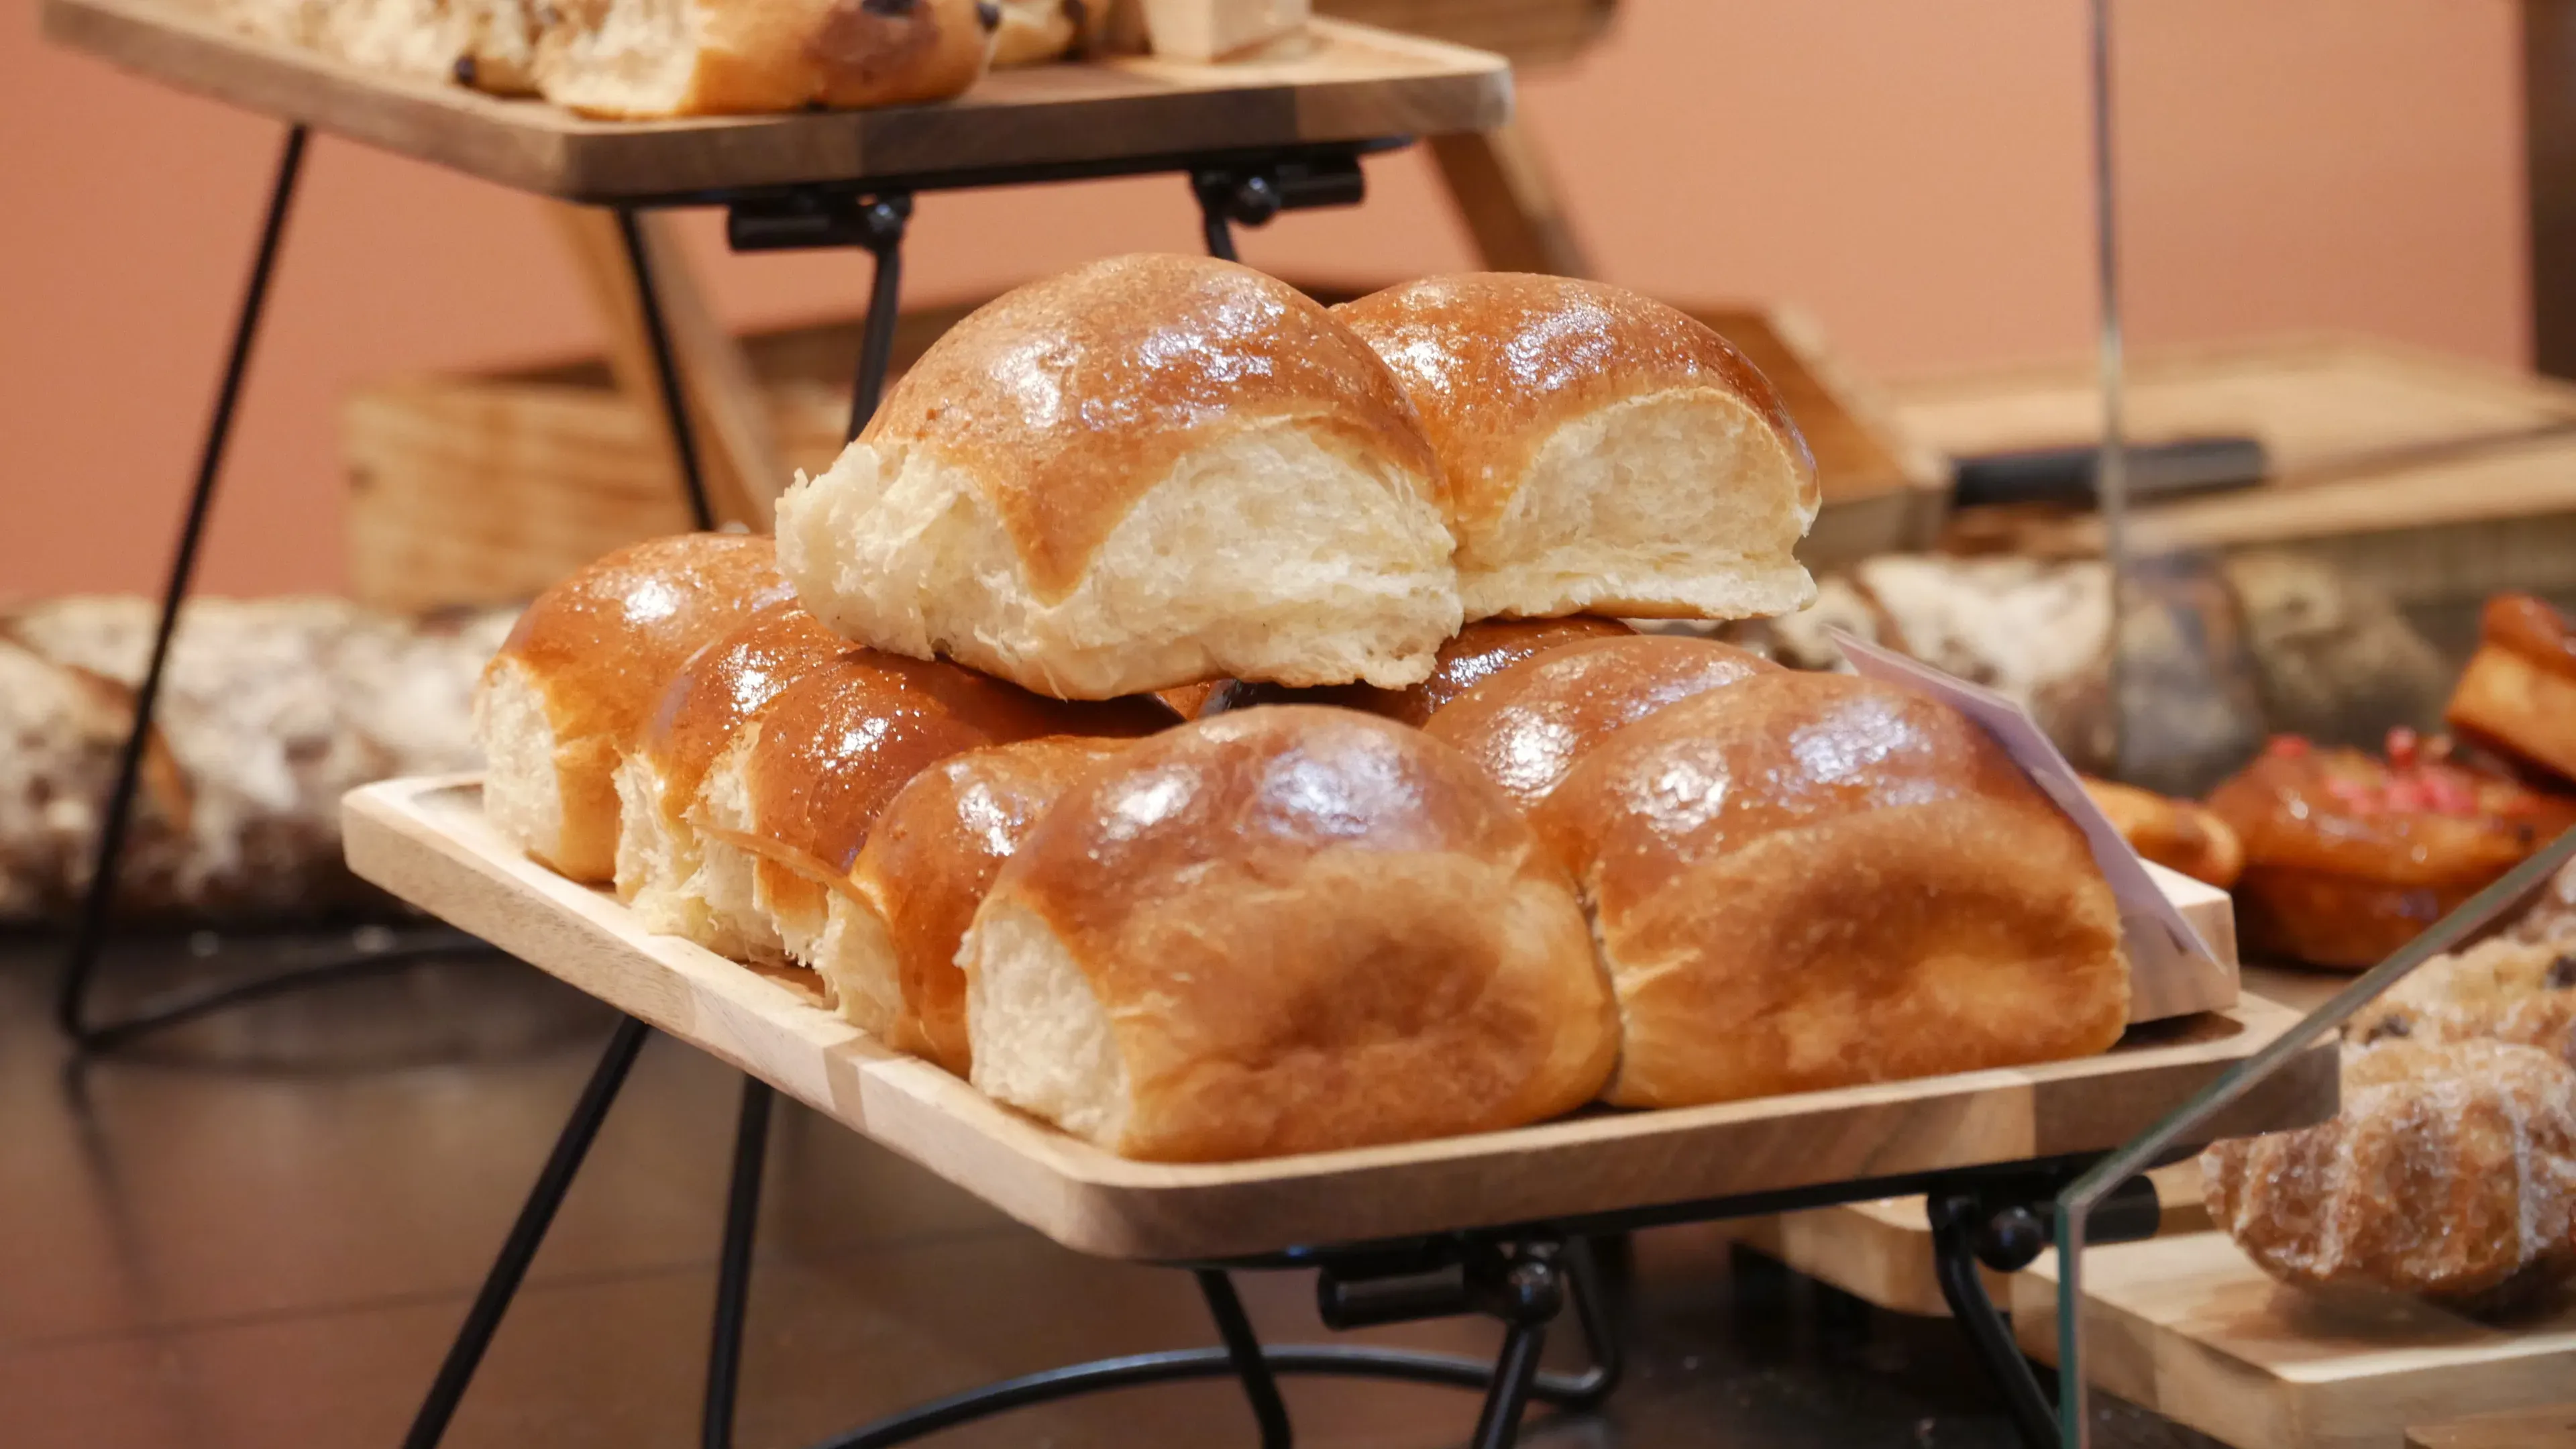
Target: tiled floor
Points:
(264, 1231)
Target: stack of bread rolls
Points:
(1199, 721)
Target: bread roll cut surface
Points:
(574, 685)
(803, 785)
(663, 865)
(1283, 930)
(1603, 451)
(1530, 723)
(1144, 473)
(926, 867)
(1805, 881)
(636, 59)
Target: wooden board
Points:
(1354, 82)
(2552, 1427)
(2190, 1328)
(487, 489)
(2369, 439)
(426, 841)
(1526, 32)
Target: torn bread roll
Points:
(1528, 725)
(670, 874)
(642, 59)
(1279, 930)
(1604, 453)
(1144, 473)
(890, 952)
(787, 805)
(1806, 881)
(487, 44)
(575, 684)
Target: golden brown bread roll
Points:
(640, 59)
(2348, 857)
(927, 864)
(799, 787)
(662, 861)
(2173, 833)
(2450, 1173)
(575, 684)
(1605, 453)
(1529, 724)
(1143, 473)
(1281, 930)
(1804, 881)
(2519, 691)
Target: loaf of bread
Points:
(1604, 453)
(2173, 833)
(890, 950)
(797, 789)
(2519, 692)
(1526, 726)
(666, 870)
(2348, 857)
(642, 59)
(1802, 881)
(1482, 649)
(1144, 473)
(1282, 930)
(571, 690)
(2449, 1174)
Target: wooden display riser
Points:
(1353, 83)
(1881, 1252)
(2190, 1328)
(426, 841)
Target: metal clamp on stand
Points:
(804, 219)
(1251, 195)
(1998, 1226)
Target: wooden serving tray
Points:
(1355, 82)
(2190, 1328)
(426, 841)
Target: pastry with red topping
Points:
(2519, 692)
(2347, 856)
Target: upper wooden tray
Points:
(426, 841)
(1355, 83)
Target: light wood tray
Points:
(2190, 1328)
(426, 841)
(1355, 82)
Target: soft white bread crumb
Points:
(1679, 504)
(727, 902)
(1266, 555)
(1041, 1039)
(522, 792)
(656, 854)
(855, 957)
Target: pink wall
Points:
(1914, 174)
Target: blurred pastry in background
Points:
(2505, 990)
(2518, 695)
(2176, 834)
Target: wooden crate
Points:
(2434, 478)
(484, 490)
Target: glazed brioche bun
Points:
(1804, 881)
(1484, 648)
(797, 790)
(1282, 930)
(679, 882)
(1605, 453)
(1527, 725)
(927, 864)
(643, 59)
(578, 678)
(1143, 473)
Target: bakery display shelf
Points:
(1352, 83)
(1883, 1252)
(426, 841)
(2190, 1328)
